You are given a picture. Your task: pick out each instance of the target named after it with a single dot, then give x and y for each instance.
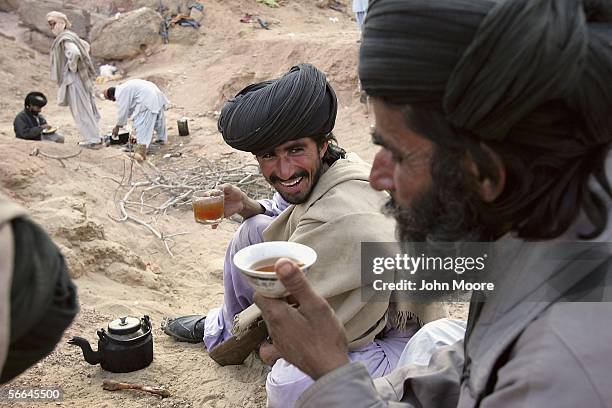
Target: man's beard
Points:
(449, 211)
(303, 196)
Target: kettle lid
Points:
(124, 325)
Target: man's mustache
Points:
(274, 178)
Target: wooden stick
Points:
(38, 152)
(111, 385)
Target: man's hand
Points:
(237, 202)
(116, 130)
(309, 336)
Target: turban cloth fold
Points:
(59, 17)
(494, 65)
(264, 115)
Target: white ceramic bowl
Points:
(267, 283)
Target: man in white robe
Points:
(73, 70)
(145, 104)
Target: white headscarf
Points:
(61, 21)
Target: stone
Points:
(33, 14)
(183, 35)
(171, 7)
(126, 35)
(9, 5)
(38, 41)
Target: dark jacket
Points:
(27, 127)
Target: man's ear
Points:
(489, 189)
(323, 149)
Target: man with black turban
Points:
(323, 200)
(30, 124)
(493, 118)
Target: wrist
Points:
(250, 207)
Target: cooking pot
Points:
(126, 346)
(121, 139)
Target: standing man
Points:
(145, 104)
(73, 70)
(360, 8)
(30, 124)
(323, 200)
(502, 135)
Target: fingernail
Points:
(285, 268)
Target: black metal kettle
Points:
(126, 346)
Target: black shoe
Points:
(186, 328)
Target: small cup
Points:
(208, 206)
(255, 263)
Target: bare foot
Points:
(268, 353)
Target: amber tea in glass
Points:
(208, 206)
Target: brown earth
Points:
(121, 268)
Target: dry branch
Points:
(170, 185)
(111, 385)
(38, 152)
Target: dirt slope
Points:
(120, 268)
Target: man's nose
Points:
(381, 175)
(285, 168)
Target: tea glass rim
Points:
(203, 194)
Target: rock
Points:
(38, 41)
(183, 35)
(33, 14)
(66, 219)
(127, 35)
(9, 5)
(76, 268)
(172, 7)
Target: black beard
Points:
(299, 200)
(447, 212)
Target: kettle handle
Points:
(102, 335)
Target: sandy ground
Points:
(120, 268)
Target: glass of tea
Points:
(208, 206)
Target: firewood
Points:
(111, 385)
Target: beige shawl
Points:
(8, 211)
(342, 212)
(85, 67)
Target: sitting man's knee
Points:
(253, 227)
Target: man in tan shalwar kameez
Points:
(322, 200)
(73, 70)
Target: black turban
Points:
(494, 65)
(35, 99)
(262, 116)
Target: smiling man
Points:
(322, 200)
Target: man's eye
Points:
(296, 150)
(266, 156)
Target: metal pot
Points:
(121, 139)
(183, 127)
(126, 346)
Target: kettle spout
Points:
(92, 357)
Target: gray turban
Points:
(494, 65)
(262, 116)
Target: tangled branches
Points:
(171, 185)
